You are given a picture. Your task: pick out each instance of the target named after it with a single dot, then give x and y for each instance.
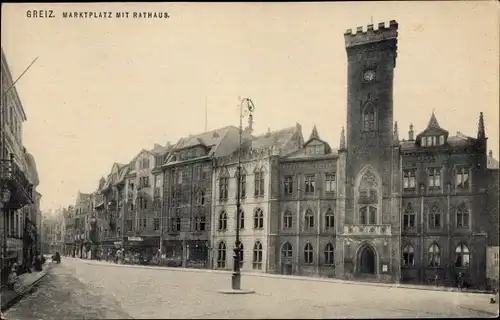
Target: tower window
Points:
(369, 119)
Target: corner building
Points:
(415, 210)
(381, 208)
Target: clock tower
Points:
(371, 216)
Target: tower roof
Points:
(433, 128)
(314, 133)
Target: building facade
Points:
(305, 229)
(143, 221)
(187, 194)
(83, 212)
(259, 195)
(16, 190)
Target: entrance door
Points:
(367, 261)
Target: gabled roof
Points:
(160, 150)
(273, 139)
(219, 142)
(433, 128)
(121, 174)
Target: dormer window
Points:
(431, 141)
(317, 149)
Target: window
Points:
(462, 178)
(175, 224)
(178, 177)
(258, 219)
(308, 253)
(221, 255)
(462, 215)
(409, 217)
(434, 256)
(144, 222)
(309, 219)
(287, 219)
(242, 219)
(223, 221)
(441, 140)
(434, 178)
(408, 256)
(369, 119)
(368, 215)
(143, 203)
(329, 219)
(409, 181)
(435, 217)
(199, 223)
(330, 183)
(288, 185)
(223, 188)
(257, 256)
(259, 183)
(243, 186)
(423, 142)
(329, 254)
(310, 184)
(129, 224)
(286, 250)
(462, 256)
(156, 223)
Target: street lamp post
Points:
(236, 276)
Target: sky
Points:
(104, 89)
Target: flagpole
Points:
(22, 74)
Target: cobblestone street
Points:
(81, 289)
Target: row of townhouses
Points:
(20, 227)
(376, 206)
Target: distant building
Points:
(83, 212)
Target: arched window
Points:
(462, 215)
(309, 219)
(329, 254)
(435, 217)
(462, 256)
(287, 220)
(258, 219)
(221, 255)
(286, 250)
(308, 253)
(368, 198)
(257, 256)
(223, 221)
(329, 219)
(434, 255)
(408, 255)
(369, 118)
(242, 219)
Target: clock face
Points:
(369, 75)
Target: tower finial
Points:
(481, 134)
(342, 140)
(411, 133)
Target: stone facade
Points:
(259, 191)
(305, 223)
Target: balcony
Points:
(21, 190)
(370, 230)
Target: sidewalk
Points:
(279, 276)
(25, 283)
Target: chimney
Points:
(411, 133)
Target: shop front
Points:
(107, 249)
(144, 246)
